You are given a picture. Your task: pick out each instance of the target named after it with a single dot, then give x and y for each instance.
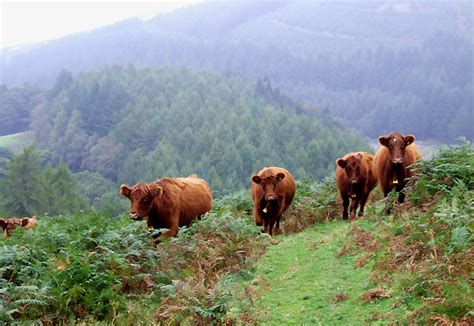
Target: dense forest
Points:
(17, 104)
(128, 125)
(377, 65)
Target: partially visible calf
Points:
(10, 224)
(355, 179)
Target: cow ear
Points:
(257, 179)
(280, 176)
(155, 190)
(25, 221)
(3, 224)
(409, 139)
(341, 162)
(384, 140)
(125, 190)
(359, 156)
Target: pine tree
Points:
(23, 190)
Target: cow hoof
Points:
(353, 216)
(274, 241)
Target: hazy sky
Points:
(32, 21)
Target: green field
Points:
(16, 142)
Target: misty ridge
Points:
(377, 65)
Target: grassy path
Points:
(300, 277)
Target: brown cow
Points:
(10, 224)
(273, 190)
(355, 179)
(392, 160)
(169, 202)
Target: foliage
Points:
(74, 266)
(430, 239)
(131, 125)
(91, 267)
(28, 188)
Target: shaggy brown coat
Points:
(10, 224)
(391, 163)
(355, 179)
(273, 189)
(169, 202)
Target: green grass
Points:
(16, 142)
(300, 277)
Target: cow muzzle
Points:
(134, 216)
(397, 161)
(271, 198)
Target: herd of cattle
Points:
(169, 203)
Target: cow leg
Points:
(354, 204)
(401, 194)
(173, 226)
(363, 200)
(277, 227)
(265, 225)
(270, 227)
(345, 206)
(258, 218)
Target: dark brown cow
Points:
(356, 179)
(273, 190)
(169, 202)
(10, 224)
(392, 161)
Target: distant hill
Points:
(134, 125)
(379, 65)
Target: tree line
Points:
(126, 125)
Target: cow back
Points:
(191, 197)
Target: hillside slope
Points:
(378, 65)
(413, 266)
(94, 269)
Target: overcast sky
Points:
(34, 21)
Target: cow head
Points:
(353, 168)
(396, 144)
(269, 184)
(141, 196)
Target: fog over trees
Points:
(378, 65)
